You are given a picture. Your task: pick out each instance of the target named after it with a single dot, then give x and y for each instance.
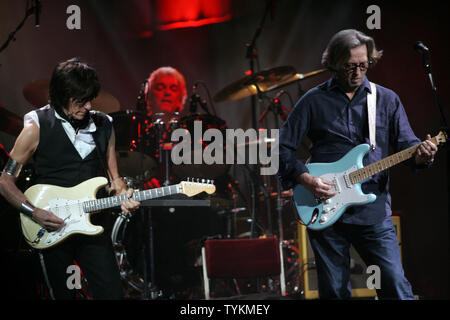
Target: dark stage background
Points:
(125, 41)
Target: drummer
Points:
(165, 92)
(164, 96)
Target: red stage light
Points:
(178, 14)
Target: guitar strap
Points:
(102, 161)
(372, 114)
(101, 158)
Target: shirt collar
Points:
(89, 128)
(333, 83)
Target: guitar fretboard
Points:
(384, 164)
(116, 201)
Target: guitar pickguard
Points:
(76, 220)
(348, 194)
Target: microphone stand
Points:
(427, 65)
(28, 12)
(444, 126)
(252, 54)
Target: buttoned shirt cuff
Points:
(289, 182)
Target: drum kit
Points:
(143, 147)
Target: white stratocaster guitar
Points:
(347, 174)
(75, 205)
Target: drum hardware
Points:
(257, 187)
(197, 99)
(201, 170)
(276, 107)
(163, 125)
(133, 146)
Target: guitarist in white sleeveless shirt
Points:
(335, 118)
(62, 138)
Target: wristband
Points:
(27, 208)
(13, 168)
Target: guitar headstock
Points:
(192, 188)
(441, 138)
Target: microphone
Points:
(37, 12)
(420, 47)
(278, 95)
(278, 107)
(195, 98)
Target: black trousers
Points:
(95, 256)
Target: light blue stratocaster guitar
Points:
(347, 174)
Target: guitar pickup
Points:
(39, 235)
(337, 187)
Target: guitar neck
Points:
(116, 201)
(384, 164)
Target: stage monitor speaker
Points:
(358, 276)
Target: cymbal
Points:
(37, 93)
(265, 80)
(299, 76)
(9, 122)
(105, 102)
(249, 85)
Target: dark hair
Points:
(73, 79)
(338, 49)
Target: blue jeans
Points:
(376, 244)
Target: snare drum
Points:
(133, 155)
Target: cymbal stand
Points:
(252, 54)
(279, 111)
(254, 182)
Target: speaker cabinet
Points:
(358, 275)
